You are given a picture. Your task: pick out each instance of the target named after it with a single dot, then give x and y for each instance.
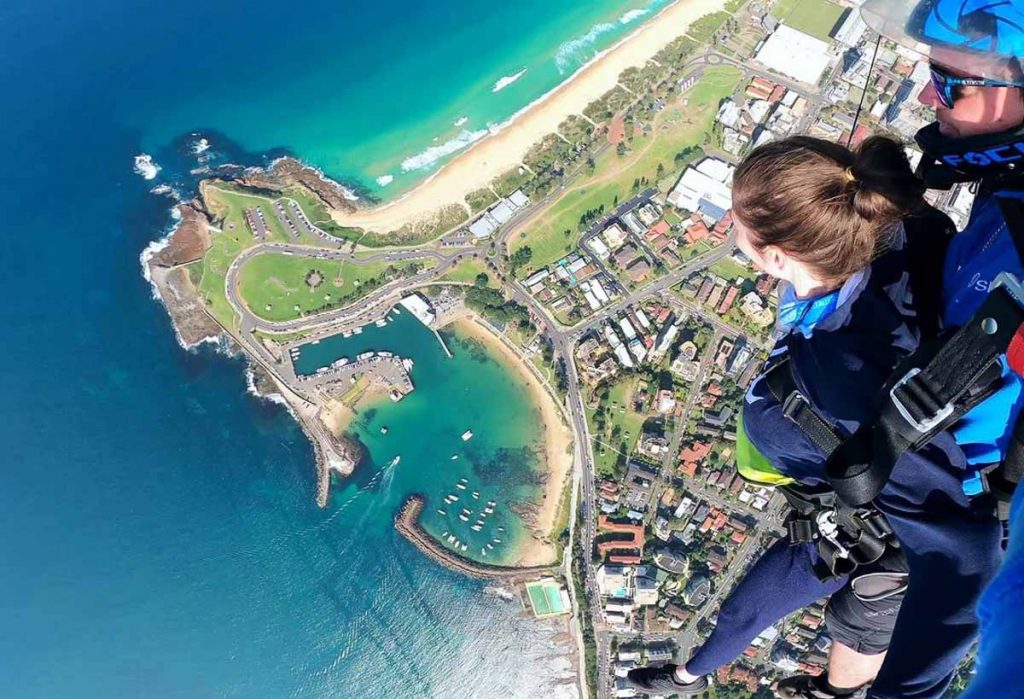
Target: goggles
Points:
(947, 86)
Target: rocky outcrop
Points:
(166, 270)
(288, 172)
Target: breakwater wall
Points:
(407, 523)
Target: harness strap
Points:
(929, 398)
(782, 385)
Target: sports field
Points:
(815, 17)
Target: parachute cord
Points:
(864, 92)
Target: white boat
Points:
(408, 364)
(441, 512)
(381, 323)
(384, 430)
(364, 355)
(394, 461)
(490, 546)
(497, 541)
(488, 510)
(465, 546)
(385, 354)
(346, 333)
(492, 503)
(476, 494)
(445, 534)
(483, 552)
(397, 312)
(476, 527)
(455, 457)
(460, 486)
(357, 331)
(451, 538)
(467, 435)
(501, 529)
(464, 518)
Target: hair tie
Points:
(849, 175)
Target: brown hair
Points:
(832, 209)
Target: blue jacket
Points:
(840, 362)
(976, 256)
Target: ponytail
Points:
(833, 209)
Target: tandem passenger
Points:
(840, 230)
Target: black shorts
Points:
(862, 614)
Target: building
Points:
(420, 307)
(795, 54)
(613, 580)
(697, 591)
(705, 188)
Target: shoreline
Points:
(540, 546)
(504, 149)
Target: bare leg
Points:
(848, 669)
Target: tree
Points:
(521, 256)
(482, 279)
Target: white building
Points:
(795, 54)
(418, 305)
(598, 247)
(613, 580)
(705, 188)
(627, 328)
(615, 236)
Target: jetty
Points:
(407, 524)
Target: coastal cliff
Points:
(166, 266)
(289, 172)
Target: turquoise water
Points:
(374, 90)
(161, 536)
(470, 390)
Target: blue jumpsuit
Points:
(840, 361)
(976, 256)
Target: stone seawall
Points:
(407, 523)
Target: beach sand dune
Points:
(501, 151)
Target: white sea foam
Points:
(631, 15)
(431, 155)
(507, 80)
(461, 120)
(570, 52)
(200, 146)
(145, 166)
(250, 388)
(385, 180)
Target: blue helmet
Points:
(982, 38)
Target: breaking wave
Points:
(631, 15)
(461, 120)
(575, 52)
(507, 80)
(385, 180)
(431, 155)
(145, 166)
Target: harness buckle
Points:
(924, 424)
(829, 531)
(1012, 285)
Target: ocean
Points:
(161, 534)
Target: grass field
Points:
(729, 269)
(675, 128)
(283, 287)
(815, 17)
(619, 414)
(465, 271)
(227, 245)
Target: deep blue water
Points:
(160, 532)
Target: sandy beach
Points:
(557, 444)
(499, 152)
